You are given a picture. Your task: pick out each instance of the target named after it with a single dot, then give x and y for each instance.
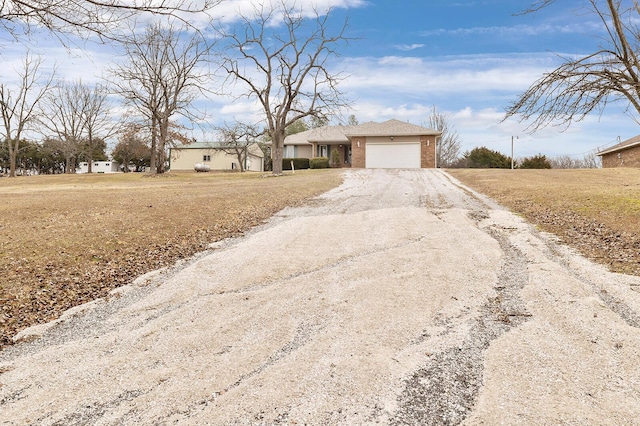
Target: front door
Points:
(347, 154)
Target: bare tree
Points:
(581, 86)
(131, 148)
(565, 162)
(18, 105)
(591, 161)
(97, 117)
(449, 144)
(282, 59)
(63, 115)
(160, 80)
(100, 17)
(237, 138)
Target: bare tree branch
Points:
(582, 86)
(536, 6)
(449, 143)
(82, 17)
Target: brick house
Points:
(624, 154)
(390, 144)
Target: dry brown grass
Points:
(68, 239)
(597, 211)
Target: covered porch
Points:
(326, 149)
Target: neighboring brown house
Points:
(624, 154)
(391, 144)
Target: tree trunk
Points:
(277, 149)
(89, 153)
(13, 155)
(240, 156)
(154, 145)
(162, 143)
(68, 165)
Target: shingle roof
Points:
(390, 128)
(343, 133)
(629, 143)
(319, 134)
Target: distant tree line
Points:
(48, 156)
(485, 158)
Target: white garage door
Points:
(397, 155)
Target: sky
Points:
(468, 58)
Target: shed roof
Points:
(629, 143)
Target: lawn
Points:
(596, 211)
(68, 239)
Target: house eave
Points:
(394, 134)
(614, 149)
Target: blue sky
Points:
(471, 59)
(468, 58)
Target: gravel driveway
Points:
(400, 297)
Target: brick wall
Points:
(358, 152)
(628, 158)
(428, 152)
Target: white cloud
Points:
(459, 77)
(230, 11)
(586, 28)
(408, 47)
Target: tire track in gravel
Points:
(622, 309)
(445, 390)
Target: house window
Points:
(323, 151)
(206, 158)
(290, 151)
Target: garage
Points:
(396, 155)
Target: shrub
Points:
(485, 158)
(319, 163)
(537, 162)
(335, 158)
(298, 163)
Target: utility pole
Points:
(512, 151)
